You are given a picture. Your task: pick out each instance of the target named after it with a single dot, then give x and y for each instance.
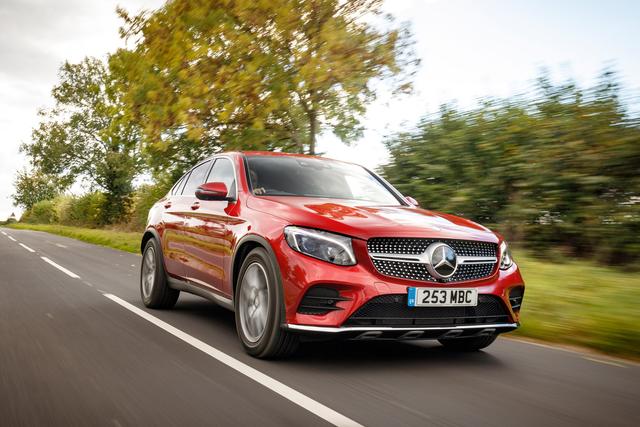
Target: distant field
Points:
(574, 302)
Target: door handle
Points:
(167, 205)
(195, 206)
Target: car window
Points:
(196, 178)
(310, 177)
(177, 188)
(223, 172)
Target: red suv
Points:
(305, 247)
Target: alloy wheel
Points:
(254, 302)
(148, 272)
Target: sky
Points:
(469, 49)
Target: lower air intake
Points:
(320, 300)
(392, 310)
(515, 298)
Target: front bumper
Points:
(361, 283)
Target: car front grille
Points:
(392, 310)
(397, 247)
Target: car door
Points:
(173, 221)
(195, 240)
(208, 247)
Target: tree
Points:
(258, 74)
(558, 167)
(86, 135)
(31, 188)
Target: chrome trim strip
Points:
(422, 258)
(477, 259)
(398, 257)
(333, 330)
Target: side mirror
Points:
(212, 191)
(412, 201)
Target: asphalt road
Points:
(71, 356)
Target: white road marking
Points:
(283, 390)
(26, 247)
(3, 233)
(606, 362)
(88, 284)
(61, 246)
(61, 268)
(11, 238)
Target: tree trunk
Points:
(313, 129)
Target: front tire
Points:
(259, 308)
(154, 286)
(468, 344)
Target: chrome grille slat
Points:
(403, 258)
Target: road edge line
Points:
(274, 385)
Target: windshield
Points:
(309, 177)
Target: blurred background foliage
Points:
(556, 168)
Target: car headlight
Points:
(323, 245)
(505, 256)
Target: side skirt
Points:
(192, 288)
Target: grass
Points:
(573, 302)
(577, 302)
(123, 240)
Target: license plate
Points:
(438, 297)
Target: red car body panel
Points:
(199, 239)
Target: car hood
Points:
(354, 218)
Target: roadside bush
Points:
(143, 199)
(43, 212)
(63, 206)
(558, 168)
(87, 210)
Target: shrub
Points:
(64, 209)
(143, 199)
(88, 210)
(43, 212)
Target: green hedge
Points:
(90, 210)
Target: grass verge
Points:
(577, 302)
(123, 240)
(574, 302)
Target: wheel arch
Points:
(246, 245)
(149, 234)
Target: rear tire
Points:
(468, 344)
(259, 308)
(154, 285)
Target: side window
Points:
(196, 178)
(223, 172)
(177, 188)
